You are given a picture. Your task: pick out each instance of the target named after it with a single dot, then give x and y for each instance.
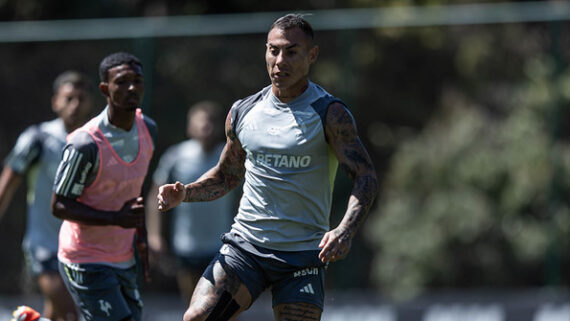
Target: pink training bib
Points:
(116, 183)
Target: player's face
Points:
(125, 87)
(72, 104)
(201, 126)
(288, 56)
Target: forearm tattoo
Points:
(363, 195)
(221, 179)
(355, 161)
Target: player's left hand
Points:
(335, 245)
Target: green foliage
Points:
(478, 198)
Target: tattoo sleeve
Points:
(223, 177)
(355, 161)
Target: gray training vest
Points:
(290, 169)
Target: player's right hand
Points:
(170, 196)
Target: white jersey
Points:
(290, 169)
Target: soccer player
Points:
(192, 236)
(287, 141)
(36, 155)
(97, 193)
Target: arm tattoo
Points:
(361, 199)
(218, 181)
(224, 177)
(355, 161)
(299, 312)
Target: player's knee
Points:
(224, 309)
(189, 315)
(193, 314)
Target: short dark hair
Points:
(294, 20)
(116, 59)
(213, 109)
(76, 78)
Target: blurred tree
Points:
(479, 197)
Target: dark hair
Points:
(294, 20)
(210, 107)
(76, 78)
(116, 59)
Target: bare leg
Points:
(58, 304)
(297, 312)
(187, 280)
(222, 300)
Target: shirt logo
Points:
(282, 160)
(105, 306)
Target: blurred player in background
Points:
(287, 141)
(97, 192)
(192, 233)
(36, 155)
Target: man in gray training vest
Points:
(35, 157)
(287, 141)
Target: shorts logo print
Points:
(105, 307)
(307, 289)
(307, 271)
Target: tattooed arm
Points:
(343, 138)
(213, 184)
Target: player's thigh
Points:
(98, 292)
(51, 284)
(54, 290)
(43, 267)
(189, 271)
(297, 312)
(219, 295)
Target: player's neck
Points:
(121, 118)
(69, 127)
(288, 94)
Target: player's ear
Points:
(54, 104)
(313, 54)
(104, 88)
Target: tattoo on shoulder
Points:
(342, 121)
(231, 135)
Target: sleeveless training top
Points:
(116, 183)
(290, 169)
(36, 154)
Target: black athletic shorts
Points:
(103, 293)
(293, 277)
